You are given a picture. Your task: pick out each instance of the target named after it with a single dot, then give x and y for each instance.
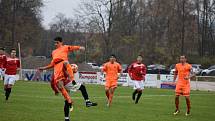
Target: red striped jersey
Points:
(11, 65)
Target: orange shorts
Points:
(110, 84)
(58, 72)
(182, 89)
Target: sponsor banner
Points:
(168, 85)
(88, 77)
(167, 82)
(151, 80)
(35, 75)
(123, 80)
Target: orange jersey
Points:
(112, 71)
(183, 71)
(62, 52)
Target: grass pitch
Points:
(35, 101)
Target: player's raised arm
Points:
(72, 48)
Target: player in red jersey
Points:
(11, 65)
(2, 62)
(137, 72)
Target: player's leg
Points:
(176, 105)
(139, 91)
(86, 97)
(68, 102)
(107, 89)
(67, 106)
(188, 105)
(8, 91)
(59, 79)
(134, 94)
(8, 85)
(135, 91)
(177, 94)
(107, 92)
(186, 93)
(64, 91)
(140, 87)
(69, 70)
(111, 93)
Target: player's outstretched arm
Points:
(46, 67)
(72, 48)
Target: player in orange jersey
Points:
(59, 61)
(112, 71)
(183, 73)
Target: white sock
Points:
(66, 117)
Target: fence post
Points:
(196, 83)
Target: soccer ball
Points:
(74, 68)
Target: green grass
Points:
(34, 101)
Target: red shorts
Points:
(182, 89)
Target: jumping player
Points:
(59, 61)
(137, 72)
(112, 71)
(2, 62)
(11, 65)
(183, 73)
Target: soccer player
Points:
(2, 62)
(137, 72)
(11, 65)
(59, 61)
(183, 73)
(72, 86)
(112, 71)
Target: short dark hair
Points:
(12, 49)
(140, 56)
(184, 56)
(112, 55)
(2, 48)
(59, 39)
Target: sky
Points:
(53, 7)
